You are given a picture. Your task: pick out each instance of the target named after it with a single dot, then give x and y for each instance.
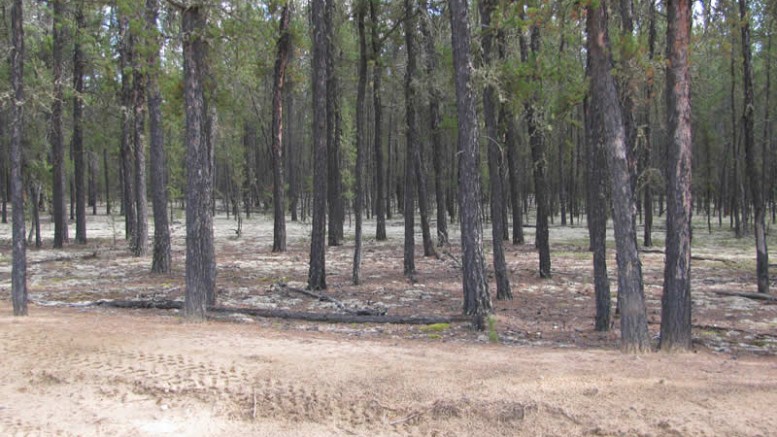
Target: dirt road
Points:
(102, 372)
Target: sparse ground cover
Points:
(70, 369)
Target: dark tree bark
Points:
(596, 176)
(477, 302)
(490, 104)
(125, 97)
(627, 90)
(281, 60)
(751, 161)
(647, 207)
(516, 205)
(19, 251)
(78, 138)
(676, 301)
(317, 270)
(534, 121)
(200, 256)
(634, 333)
(380, 190)
(92, 182)
(161, 259)
(35, 198)
(140, 237)
(411, 140)
(335, 183)
(435, 120)
(361, 145)
(57, 136)
(414, 146)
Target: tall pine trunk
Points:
(361, 144)
(411, 140)
(161, 257)
(281, 60)
(381, 210)
(490, 104)
(200, 256)
(676, 301)
(77, 140)
(534, 120)
(335, 184)
(57, 135)
(435, 119)
(140, 237)
(125, 97)
(19, 251)
(477, 302)
(317, 270)
(751, 161)
(634, 332)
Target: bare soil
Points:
(74, 369)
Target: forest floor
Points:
(74, 369)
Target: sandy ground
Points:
(74, 370)
(71, 372)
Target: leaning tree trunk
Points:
(317, 270)
(596, 176)
(19, 251)
(676, 301)
(360, 140)
(634, 332)
(281, 60)
(380, 190)
(477, 302)
(490, 103)
(753, 169)
(78, 139)
(57, 136)
(200, 259)
(161, 257)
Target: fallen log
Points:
(339, 304)
(755, 296)
(285, 314)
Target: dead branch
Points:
(755, 296)
(339, 304)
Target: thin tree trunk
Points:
(292, 150)
(200, 259)
(19, 251)
(490, 104)
(107, 183)
(411, 140)
(648, 190)
(140, 237)
(128, 192)
(77, 139)
(477, 302)
(317, 270)
(676, 300)
(281, 60)
(435, 119)
(161, 259)
(537, 140)
(334, 186)
(380, 190)
(361, 145)
(634, 332)
(57, 136)
(751, 161)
